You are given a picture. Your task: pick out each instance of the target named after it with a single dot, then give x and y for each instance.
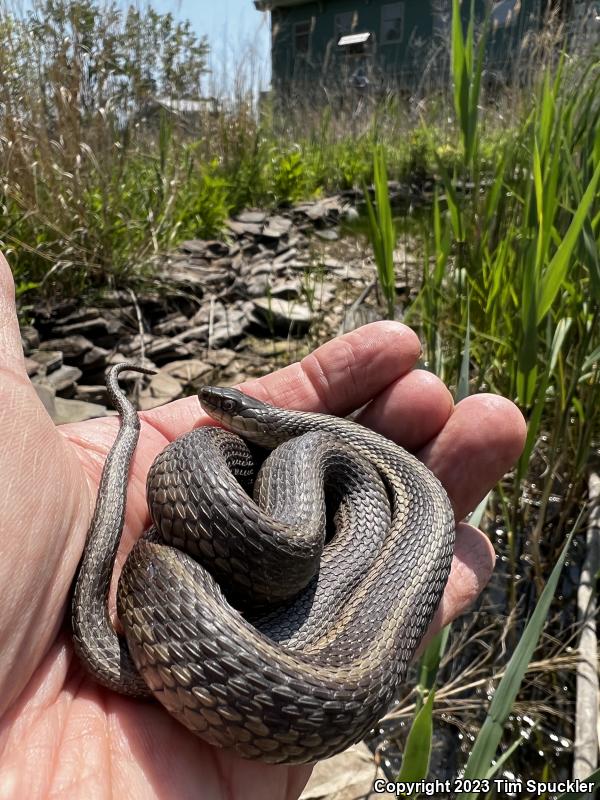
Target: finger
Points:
(481, 441)
(411, 411)
(345, 372)
(11, 350)
(472, 567)
(338, 377)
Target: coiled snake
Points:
(327, 627)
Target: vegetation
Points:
(97, 178)
(509, 302)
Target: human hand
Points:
(60, 733)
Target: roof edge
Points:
(267, 5)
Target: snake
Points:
(292, 566)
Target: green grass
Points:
(95, 184)
(382, 231)
(511, 291)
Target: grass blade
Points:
(504, 757)
(430, 663)
(417, 751)
(462, 389)
(382, 231)
(556, 272)
(490, 734)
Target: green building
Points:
(330, 45)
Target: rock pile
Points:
(221, 311)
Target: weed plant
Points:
(509, 302)
(103, 166)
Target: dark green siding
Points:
(323, 64)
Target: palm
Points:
(102, 736)
(59, 732)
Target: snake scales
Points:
(327, 627)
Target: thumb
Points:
(11, 351)
(39, 508)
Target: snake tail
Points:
(100, 649)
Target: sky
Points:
(238, 34)
(236, 31)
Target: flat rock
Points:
(66, 411)
(211, 308)
(50, 360)
(163, 388)
(334, 264)
(252, 286)
(350, 214)
(276, 227)
(297, 265)
(350, 273)
(115, 298)
(176, 259)
(216, 324)
(284, 313)
(321, 211)
(220, 358)
(244, 228)
(286, 255)
(92, 328)
(228, 331)
(185, 277)
(209, 248)
(158, 349)
(251, 247)
(175, 323)
(188, 371)
(321, 293)
(225, 330)
(81, 314)
(200, 278)
(327, 234)
(256, 217)
(260, 268)
(232, 378)
(225, 263)
(32, 367)
(163, 349)
(63, 379)
(217, 249)
(117, 357)
(193, 246)
(72, 347)
(30, 338)
(92, 394)
(94, 359)
(131, 345)
(287, 290)
(267, 348)
(348, 776)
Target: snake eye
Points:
(229, 405)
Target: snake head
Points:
(239, 413)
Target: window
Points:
(302, 37)
(392, 22)
(344, 23)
